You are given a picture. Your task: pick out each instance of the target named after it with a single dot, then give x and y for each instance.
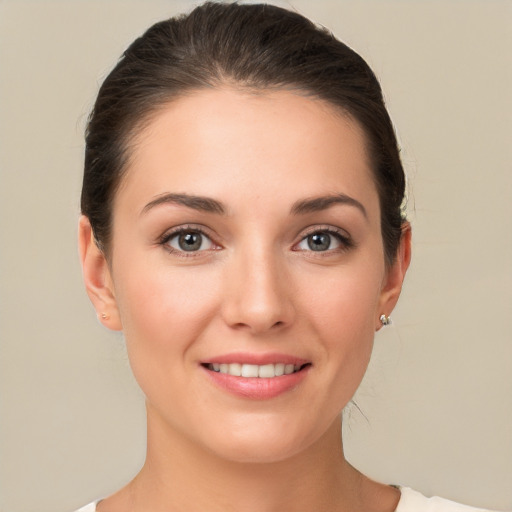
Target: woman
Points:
(242, 226)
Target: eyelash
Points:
(345, 241)
(169, 235)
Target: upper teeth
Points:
(265, 371)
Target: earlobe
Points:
(97, 277)
(395, 275)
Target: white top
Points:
(410, 501)
(413, 501)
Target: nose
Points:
(259, 294)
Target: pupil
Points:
(190, 241)
(319, 242)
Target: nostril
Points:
(252, 325)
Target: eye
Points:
(189, 240)
(324, 240)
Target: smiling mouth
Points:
(265, 371)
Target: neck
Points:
(179, 475)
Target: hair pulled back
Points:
(253, 46)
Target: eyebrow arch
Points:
(205, 204)
(317, 204)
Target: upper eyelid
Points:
(169, 233)
(343, 237)
(323, 229)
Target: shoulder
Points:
(413, 501)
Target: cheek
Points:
(163, 316)
(163, 309)
(343, 313)
(344, 302)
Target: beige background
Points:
(438, 395)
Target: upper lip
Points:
(257, 359)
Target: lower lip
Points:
(257, 388)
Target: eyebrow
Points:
(316, 204)
(204, 204)
(209, 205)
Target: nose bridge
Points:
(258, 296)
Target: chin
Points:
(256, 451)
(262, 442)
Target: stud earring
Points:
(104, 316)
(384, 320)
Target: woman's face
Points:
(246, 239)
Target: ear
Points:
(97, 277)
(395, 274)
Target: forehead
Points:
(224, 141)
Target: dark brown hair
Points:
(252, 46)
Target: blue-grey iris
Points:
(190, 241)
(319, 241)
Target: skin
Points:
(255, 286)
